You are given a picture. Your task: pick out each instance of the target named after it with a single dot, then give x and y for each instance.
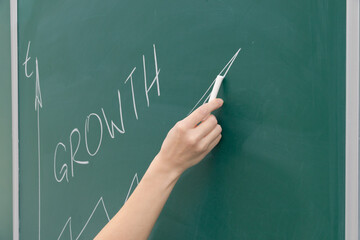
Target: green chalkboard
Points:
(5, 124)
(87, 137)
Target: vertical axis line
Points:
(38, 126)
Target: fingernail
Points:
(221, 102)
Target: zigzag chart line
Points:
(101, 200)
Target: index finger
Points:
(202, 112)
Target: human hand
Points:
(192, 138)
(186, 144)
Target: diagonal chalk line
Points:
(68, 222)
(225, 69)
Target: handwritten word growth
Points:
(72, 147)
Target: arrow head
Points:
(38, 99)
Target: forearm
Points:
(186, 144)
(137, 217)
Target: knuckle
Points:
(198, 115)
(219, 128)
(213, 119)
(200, 148)
(202, 110)
(179, 126)
(191, 141)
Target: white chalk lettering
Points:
(155, 80)
(64, 168)
(132, 91)
(73, 153)
(27, 59)
(87, 127)
(113, 125)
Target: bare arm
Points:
(187, 143)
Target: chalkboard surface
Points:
(91, 120)
(5, 124)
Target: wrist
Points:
(161, 168)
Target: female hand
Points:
(191, 139)
(186, 144)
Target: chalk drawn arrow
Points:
(38, 99)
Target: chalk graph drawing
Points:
(132, 186)
(38, 106)
(67, 228)
(69, 223)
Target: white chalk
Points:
(216, 87)
(219, 79)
